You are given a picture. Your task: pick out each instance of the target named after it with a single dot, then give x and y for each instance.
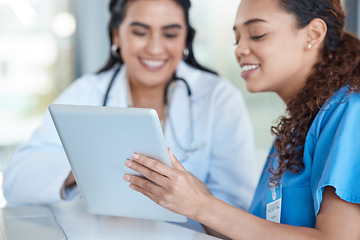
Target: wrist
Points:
(201, 212)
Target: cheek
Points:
(133, 43)
(176, 47)
(177, 53)
(130, 48)
(274, 55)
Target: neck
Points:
(291, 91)
(148, 97)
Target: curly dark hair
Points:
(338, 66)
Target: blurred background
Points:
(45, 45)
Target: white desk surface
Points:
(78, 224)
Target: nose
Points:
(155, 45)
(242, 49)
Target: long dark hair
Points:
(118, 10)
(338, 66)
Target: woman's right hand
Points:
(201, 185)
(173, 188)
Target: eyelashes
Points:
(138, 33)
(167, 35)
(255, 38)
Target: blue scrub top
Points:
(331, 158)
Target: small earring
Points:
(186, 53)
(309, 46)
(115, 51)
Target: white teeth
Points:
(249, 67)
(153, 63)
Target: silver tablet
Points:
(97, 141)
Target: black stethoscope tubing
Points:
(106, 96)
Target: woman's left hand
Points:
(172, 188)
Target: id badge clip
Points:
(273, 203)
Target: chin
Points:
(256, 86)
(253, 89)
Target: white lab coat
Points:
(226, 163)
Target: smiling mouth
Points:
(246, 68)
(153, 63)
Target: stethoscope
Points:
(192, 147)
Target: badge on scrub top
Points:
(273, 206)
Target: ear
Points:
(316, 32)
(115, 37)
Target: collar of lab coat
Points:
(194, 77)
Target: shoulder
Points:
(342, 101)
(95, 79)
(95, 82)
(87, 87)
(342, 106)
(343, 96)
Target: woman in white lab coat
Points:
(151, 50)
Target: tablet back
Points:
(97, 141)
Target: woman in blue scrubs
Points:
(309, 188)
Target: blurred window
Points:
(35, 64)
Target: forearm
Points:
(31, 178)
(214, 233)
(238, 224)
